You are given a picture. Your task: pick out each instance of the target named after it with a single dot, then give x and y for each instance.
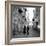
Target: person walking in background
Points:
(24, 30)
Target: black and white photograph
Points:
(25, 21)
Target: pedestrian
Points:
(27, 30)
(24, 30)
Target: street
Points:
(32, 33)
